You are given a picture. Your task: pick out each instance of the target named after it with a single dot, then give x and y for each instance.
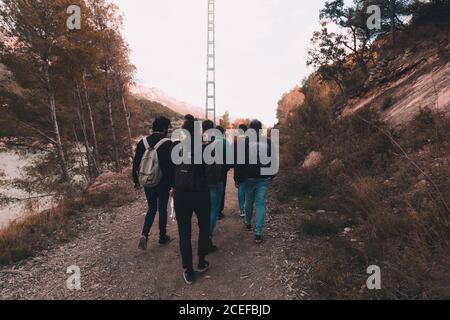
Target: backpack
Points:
(150, 173)
(257, 148)
(187, 177)
(214, 172)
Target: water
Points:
(12, 164)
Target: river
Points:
(12, 164)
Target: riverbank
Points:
(39, 230)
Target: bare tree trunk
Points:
(91, 120)
(111, 123)
(127, 120)
(87, 172)
(93, 167)
(52, 106)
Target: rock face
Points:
(313, 160)
(401, 85)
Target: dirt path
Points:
(113, 268)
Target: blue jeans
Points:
(157, 199)
(241, 197)
(256, 192)
(216, 194)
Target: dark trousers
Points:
(157, 199)
(225, 180)
(186, 203)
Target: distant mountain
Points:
(157, 95)
(152, 109)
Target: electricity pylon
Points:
(211, 63)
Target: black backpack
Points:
(187, 178)
(214, 172)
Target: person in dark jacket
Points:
(190, 199)
(216, 188)
(256, 183)
(157, 197)
(227, 168)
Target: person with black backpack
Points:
(191, 194)
(215, 177)
(226, 169)
(153, 170)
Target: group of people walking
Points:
(199, 186)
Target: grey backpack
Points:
(150, 173)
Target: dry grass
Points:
(37, 231)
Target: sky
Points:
(261, 50)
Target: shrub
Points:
(319, 226)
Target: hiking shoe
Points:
(143, 243)
(203, 267)
(221, 216)
(248, 227)
(259, 239)
(189, 277)
(164, 240)
(242, 214)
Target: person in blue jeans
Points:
(241, 187)
(216, 192)
(249, 175)
(255, 194)
(216, 188)
(241, 199)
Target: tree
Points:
(225, 121)
(107, 22)
(328, 57)
(356, 36)
(72, 85)
(393, 13)
(78, 58)
(36, 29)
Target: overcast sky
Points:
(261, 49)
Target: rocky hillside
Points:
(365, 176)
(407, 81)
